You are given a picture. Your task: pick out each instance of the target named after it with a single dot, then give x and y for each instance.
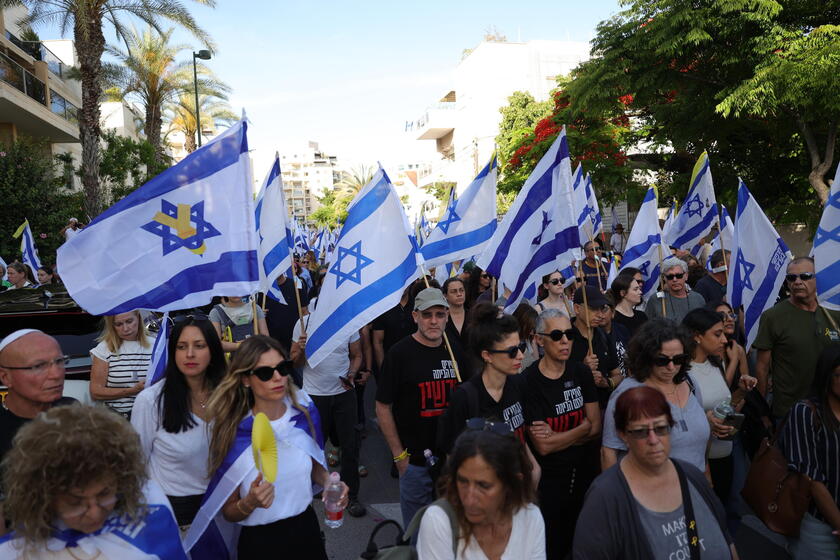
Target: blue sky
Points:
(349, 74)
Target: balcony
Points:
(437, 121)
(38, 51)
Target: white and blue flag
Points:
(644, 244)
(699, 212)
(301, 239)
(468, 222)
(581, 209)
(157, 364)
(27, 246)
(539, 233)
(275, 236)
(185, 236)
(376, 258)
(758, 265)
(723, 237)
(593, 209)
(827, 249)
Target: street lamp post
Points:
(203, 55)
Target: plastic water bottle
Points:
(431, 460)
(334, 512)
(723, 409)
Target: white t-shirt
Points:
(322, 381)
(126, 367)
(526, 542)
(708, 378)
(70, 233)
(178, 462)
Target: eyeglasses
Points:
(501, 428)
(81, 509)
(678, 276)
(662, 361)
(513, 351)
(556, 335)
(191, 317)
(42, 367)
(642, 433)
(265, 373)
(578, 279)
(485, 275)
(804, 276)
(728, 315)
(555, 281)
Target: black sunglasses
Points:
(555, 281)
(485, 275)
(678, 276)
(190, 317)
(501, 428)
(556, 335)
(804, 276)
(642, 433)
(662, 361)
(513, 351)
(265, 373)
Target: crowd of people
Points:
(587, 424)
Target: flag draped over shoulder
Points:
(539, 233)
(644, 244)
(758, 264)
(375, 259)
(275, 236)
(177, 241)
(468, 222)
(699, 212)
(27, 246)
(827, 249)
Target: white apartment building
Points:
(307, 174)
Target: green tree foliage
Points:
(518, 119)
(127, 164)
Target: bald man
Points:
(32, 367)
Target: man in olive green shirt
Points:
(791, 336)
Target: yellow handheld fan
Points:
(264, 447)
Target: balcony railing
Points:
(64, 108)
(38, 51)
(15, 75)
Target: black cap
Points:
(594, 297)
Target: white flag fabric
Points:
(759, 262)
(592, 207)
(699, 212)
(468, 222)
(539, 233)
(376, 258)
(272, 222)
(644, 243)
(27, 247)
(827, 249)
(727, 230)
(185, 236)
(585, 232)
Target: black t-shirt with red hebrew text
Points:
(417, 380)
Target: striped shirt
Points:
(126, 367)
(813, 450)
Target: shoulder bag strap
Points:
(688, 510)
(444, 504)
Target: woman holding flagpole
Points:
(271, 514)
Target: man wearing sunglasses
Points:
(592, 269)
(414, 386)
(678, 298)
(586, 325)
(791, 336)
(712, 286)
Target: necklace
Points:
(70, 550)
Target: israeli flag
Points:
(157, 365)
(301, 239)
(443, 272)
(185, 236)
(699, 212)
(27, 246)
(827, 249)
(539, 233)
(723, 238)
(759, 262)
(592, 206)
(581, 209)
(275, 236)
(669, 220)
(468, 222)
(376, 258)
(644, 243)
(5, 269)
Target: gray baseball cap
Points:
(429, 297)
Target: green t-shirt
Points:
(795, 338)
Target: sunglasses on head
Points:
(556, 335)
(677, 275)
(513, 351)
(265, 373)
(804, 276)
(642, 433)
(501, 428)
(662, 361)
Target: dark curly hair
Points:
(647, 343)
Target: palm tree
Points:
(353, 181)
(88, 20)
(149, 72)
(213, 111)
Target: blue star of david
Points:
(545, 221)
(644, 269)
(354, 275)
(741, 264)
(824, 235)
(694, 207)
(451, 218)
(190, 227)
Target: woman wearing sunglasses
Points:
(562, 413)
(556, 298)
(650, 506)
(274, 516)
(677, 296)
(171, 415)
(657, 358)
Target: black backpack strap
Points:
(371, 550)
(444, 504)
